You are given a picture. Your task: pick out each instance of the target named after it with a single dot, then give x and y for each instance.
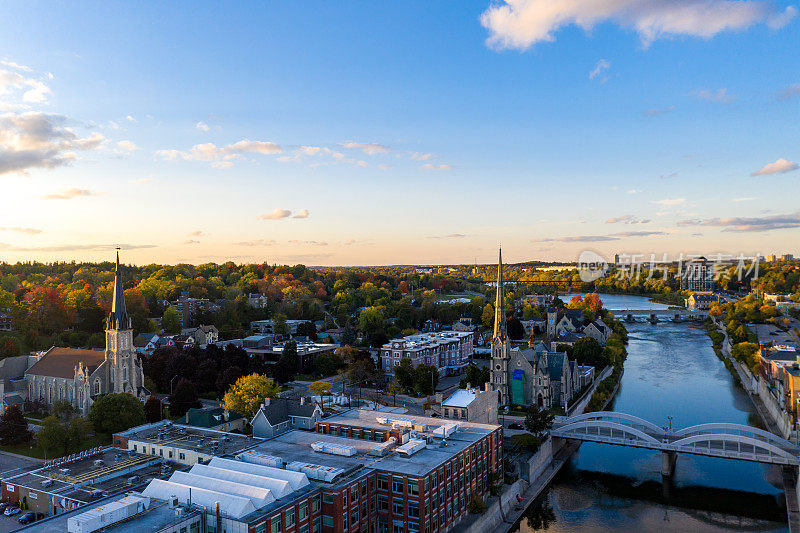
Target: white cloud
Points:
(142, 181)
(303, 213)
(746, 199)
(68, 194)
(601, 66)
(277, 214)
(719, 96)
(202, 126)
(790, 91)
(633, 191)
(657, 111)
(627, 219)
(39, 140)
(421, 156)
(367, 148)
(781, 166)
(667, 202)
(130, 119)
(431, 166)
(17, 82)
(26, 231)
(128, 146)
(221, 156)
(519, 24)
(257, 242)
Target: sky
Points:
(420, 132)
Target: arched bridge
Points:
(729, 441)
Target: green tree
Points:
(587, 351)
(246, 395)
(183, 398)
(152, 409)
(14, 427)
(487, 317)
(116, 412)
(538, 421)
(63, 410)
(394, 388)
(77, 432)
(279, 325)
(404, 373)
(286, 367)
(52, 436)
(171, 321)
(474, 376)
(426, 377)
(371, 323)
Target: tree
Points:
(14, 427)
(52, 436)
(116, 412)
(715, 310)
(347, 353)
(538, 421)
(63, 410)
(361, 370)
(246, 395)
(426, 377)
(183, 398)
(279, 325)
(171, 321)
(587, 351)
(321, 389)
(307, 329)
(474, 377)
(286, 367)
(328, 364)
(394, 388)
(487, 317)
(9, 346)
(476, 504)
(404, 373)
(371, 323)
(515, 328)
(152, 409)
(77, 431)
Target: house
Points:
(202, 335)
(701, 300)
(183, 341)
(189, 308)
(279, 415)
(561, 382)
(567, 339)
(431, 326)
(448, 351)
(534, 326)
(470, 404)
(215, 418)
(334, 334)
(599, 331)
(267, 326)
(146, 343)
(259, 301)
(6, 322)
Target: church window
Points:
(124, 373)
(497, 367)
(97, 386)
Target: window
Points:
(353, 493)
(327, 521)
(316, 525)
(275, 527)
(289, 517)
(327, 497)
(367, 434)
(397, 506)
(383, 481)
(261, 528)
(303, 529)
(413, 509)
(397, 484)
(315, 504)
(413, 487)
(383, 503)
(302, 512)
(354, 515)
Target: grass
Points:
(32, 449)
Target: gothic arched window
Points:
(97, 386)
(124, 373)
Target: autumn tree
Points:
(171, 321)
(246, 395)
(487, 317)
(14, 427)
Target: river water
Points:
(671, 370)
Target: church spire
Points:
(500, 304)
(118, 319)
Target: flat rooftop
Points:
(296, 445)
(185, 437)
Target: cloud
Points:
(633, 191)
(142, 181)
(128, 146)
(748, 224)
(420, 156)
(39, 140)
(638, 233)
(657, 111)
(449, 236)
(746, 199)
(367, 148)
(579, 238)
(130, 119)
(197, 233)
(308, 243)
(601, 66)
(26, 231)
(257, 242)
(16, 81)
(719, 96)
(666, 202)
(303, 213)
(668, 176)
(191, 241)
(431, 166)
(627, 219)
(221, 156)
(781, 166)
(76, 247)
(519, 24)
(68, 194)
(789, 92)
(202, 126)
(277, 214)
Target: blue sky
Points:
(421, 132)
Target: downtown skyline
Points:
(360, 135)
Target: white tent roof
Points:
(279, 487)
(230, 505)
(260, 496)
(298, 480)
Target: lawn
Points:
(33, 449)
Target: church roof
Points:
(500, 332)
(118, 319)
(61, 362)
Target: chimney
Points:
(219, 517)
(486, 387)
(469, 386)
(266, 402)
(302, 400)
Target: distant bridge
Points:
(724, 440)
(653, 314)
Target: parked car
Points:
(3, 505)
(27, 518)
(11, 511)
(514, 425)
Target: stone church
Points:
(520, 377)
(81, 375)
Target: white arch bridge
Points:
(728, 441)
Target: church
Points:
(531, 376)
(81, 375)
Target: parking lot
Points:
(9, 466)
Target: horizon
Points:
(422, 135)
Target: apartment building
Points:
(448, 351)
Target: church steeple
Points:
(500, 332)
(118, 319)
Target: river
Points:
(671, 371)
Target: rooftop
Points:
(192, 438)
(461, 398)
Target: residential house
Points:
(599, 331)
(202, 335)
(189, 308)
(470, 404)
(256, 300)
(701, 300)
(6, 322)
(279, 415)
